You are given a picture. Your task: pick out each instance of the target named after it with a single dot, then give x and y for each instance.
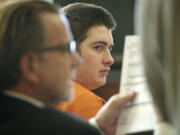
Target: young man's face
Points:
(95, 51)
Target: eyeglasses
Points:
(71, 47)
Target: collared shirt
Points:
(39, 104)
(25, 98)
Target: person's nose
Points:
(76, 59)
(108, 59)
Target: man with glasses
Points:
(36, 63)
(38, 59)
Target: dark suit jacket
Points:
(22, 118)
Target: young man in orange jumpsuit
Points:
(91, 26)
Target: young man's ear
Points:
(28, 67)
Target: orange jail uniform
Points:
(85, 104)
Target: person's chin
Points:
(69, 95)
(102, 82)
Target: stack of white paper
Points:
(139, 115)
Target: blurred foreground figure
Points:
(161, 47)
(36, 62)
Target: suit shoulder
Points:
(52, 122)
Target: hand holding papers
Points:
(139, 115)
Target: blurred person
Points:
(161, 46)
(35, 71)
(92, 27)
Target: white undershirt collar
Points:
(23, 97)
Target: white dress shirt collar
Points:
(25, 98)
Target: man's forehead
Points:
(55, 28)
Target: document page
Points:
(139, 115)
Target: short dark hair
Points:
(83, 16)
(21, 31)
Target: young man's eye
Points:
(110, 48)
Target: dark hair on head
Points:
(83, 16)
(21, 31)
